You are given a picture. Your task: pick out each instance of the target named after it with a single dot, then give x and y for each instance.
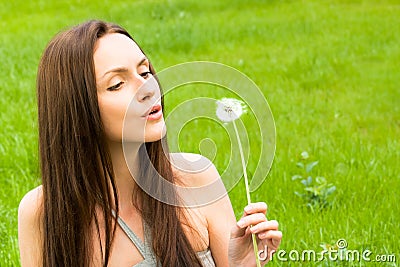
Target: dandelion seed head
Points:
(229, 109)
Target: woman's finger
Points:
(272, 237)
(252, 219)
(258, 207)
(264, 226)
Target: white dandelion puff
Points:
(230, 109)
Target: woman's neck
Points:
(124, 165)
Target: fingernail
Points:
(241, 223)
(247, 209)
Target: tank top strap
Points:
(132, 236)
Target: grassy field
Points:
(329, 70)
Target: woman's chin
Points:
(155, 133)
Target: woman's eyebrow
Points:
(117, 70)
(123, 69)
(142, 61)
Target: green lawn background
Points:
(329, 70)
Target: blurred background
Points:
(329, 70)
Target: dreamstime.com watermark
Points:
(339, 252)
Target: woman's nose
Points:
(147, 90)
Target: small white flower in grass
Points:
(304, 155)
(230, 109)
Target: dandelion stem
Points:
(246, 182)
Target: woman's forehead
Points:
(115, 50)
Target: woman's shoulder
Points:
(30, 205)
(212, 215)
(194, 169)
(29, 235)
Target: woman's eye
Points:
(115, 87)
(145, 74)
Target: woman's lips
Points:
(155, 113)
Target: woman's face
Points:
(128, 107)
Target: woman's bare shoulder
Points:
(30, 206)
(193, 169)
(214, 211)
(29, 235)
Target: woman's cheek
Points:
(112, 116)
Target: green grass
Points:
(329, 70)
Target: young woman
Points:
(89, 210)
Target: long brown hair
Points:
(76, 168)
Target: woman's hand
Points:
(241, 252)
